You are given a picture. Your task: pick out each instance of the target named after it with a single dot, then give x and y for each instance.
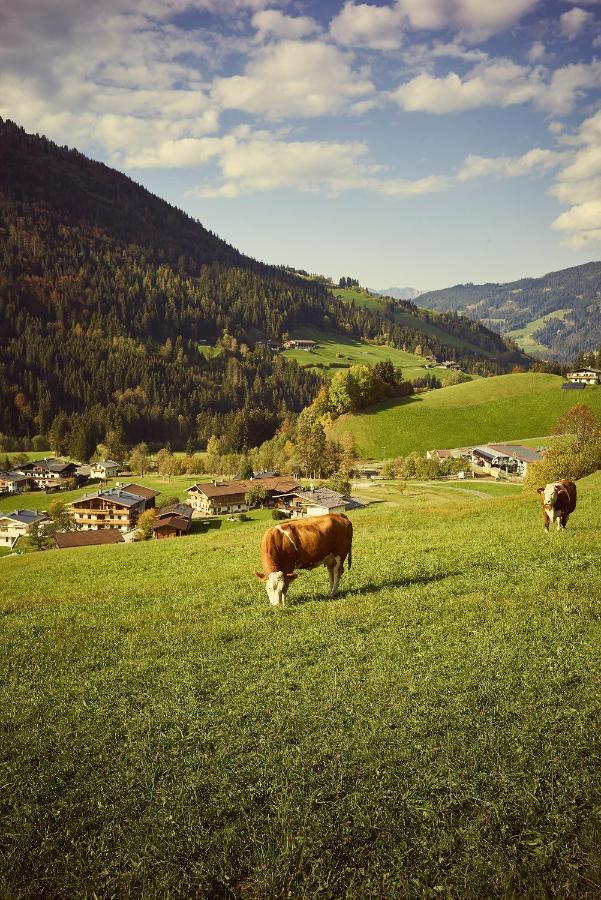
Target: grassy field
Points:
(335, 351)
(375, 303)
(523, 336)
(504, 408)
(434, 731)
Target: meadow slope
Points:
(506, 407)
(434, 731)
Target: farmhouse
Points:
(67, 539)
(14, 482)
(139, 490)
(229, 496)
(443, 454)
(514, 458)
(314, 502)
(50, 472)
(172, 521)
(585, 376)
(489, 460)
(107, 509)
(108, 468)
(17, 524)
(298, 344)
(522, 456)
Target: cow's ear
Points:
(291, 576)
(540, 490)
(260, 576)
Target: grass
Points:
(524, 336)
(376, 304)
(488, 410)
(335, 352)
(434, 731)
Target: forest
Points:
(118, 312)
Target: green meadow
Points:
(503, 408)
(337, 352)
(524, 336)
(432, 732)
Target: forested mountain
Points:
(110, 300)
(574, 293)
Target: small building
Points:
(218, 498)
(14, 482)
(174, 520)
(18, 524)
(488, 459)
(104, 470)
(522, 456)
(67, 539)
(314, 502)
(148, 494)
(443, 454)
(300, 344)
(585, 376)
(107, 509)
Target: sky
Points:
(416, 143)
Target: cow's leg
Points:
(559, 522)
(329, 562)
(337, 572)
(564, 519)
(546, 520)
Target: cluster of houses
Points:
(432, 362)
(53, 474)
(107, 516)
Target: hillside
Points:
(165, 733)
(561, 310)
(108, 296)
(403, 293)
(507, 407)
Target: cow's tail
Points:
(350, 555)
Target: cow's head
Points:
(548, 495)
(276, 585)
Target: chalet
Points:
(50, 472)
(107, 509)
(14, 482)
(493, 461)
(67, 539)
(148, 494)
(585, 376)
(172, 521)
(522, 456)
(104, 470)
(229, 496)
(314, 502)
(17, 524)
(298, 344)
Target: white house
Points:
(17, 524)
(105, 469)
(585, 376)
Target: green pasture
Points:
(376, 304)
(432, 732)
(503, 408)
(335, 352)
(524, 336)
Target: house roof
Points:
(489, 453)
(518, 451)
(13, 476)
(116, 495)
(140, 491)
(88, 538)
(181, 523)
(50, 464)
(229, 488)
(105, 463)
(175, 509)
(321, 497)
(25, 516)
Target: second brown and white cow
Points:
(304, 544)
(559, 501)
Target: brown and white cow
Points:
(304, 544)
(559, 500)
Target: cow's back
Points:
(316, 538)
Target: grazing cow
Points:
(304, 544)
(559, 500)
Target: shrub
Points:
(278, 514)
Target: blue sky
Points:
(413, 142)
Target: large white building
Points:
(17, 524)
(585, 376)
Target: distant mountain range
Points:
(399, 293)
(556, 316)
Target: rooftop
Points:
(175, 509)
(123, 498)
(229, 488)
(88, 538)
(518, 451)
(182, 523)
(25, 516)
(140, 491)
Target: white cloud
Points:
(574, 21)
(537, 52)
(294, 78)
(476, 20)
(536, 160)
(567, 85)
(577, 186)
(365, 25)
(273, 23)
